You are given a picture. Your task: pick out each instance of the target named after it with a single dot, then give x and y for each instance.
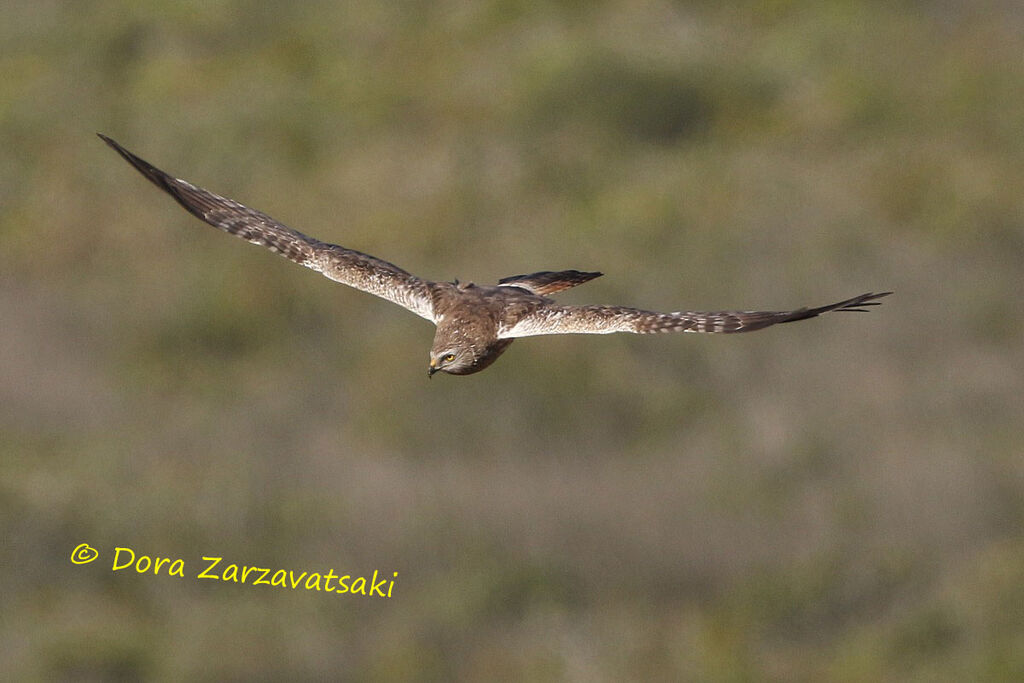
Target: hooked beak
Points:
(433, 368)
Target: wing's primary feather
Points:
(553, 319)
(347, 266)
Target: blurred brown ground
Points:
(841, 499)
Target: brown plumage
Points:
(475, 324)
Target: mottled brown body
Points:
(469, 318)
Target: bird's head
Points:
(457, 351)
(453, 360)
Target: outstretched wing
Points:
(548, 282)
(553, 319)
(349, 267)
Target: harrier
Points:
(475, 323)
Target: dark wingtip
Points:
(151, 172)
(110, 141)
(113, 144)
(161, 179)
(858, 304)
(116, 146)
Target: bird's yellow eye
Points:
(449, 357)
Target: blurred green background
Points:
(841, 499)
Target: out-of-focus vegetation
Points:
(841, 499)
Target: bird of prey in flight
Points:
(475, 323)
